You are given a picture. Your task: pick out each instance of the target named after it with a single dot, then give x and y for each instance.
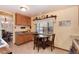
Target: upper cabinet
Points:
(28, 20)
(22, 20)
(18, 19)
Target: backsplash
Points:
(21, 28)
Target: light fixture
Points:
(24, 8)
(5, 21)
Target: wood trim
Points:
(5, 14)
(61, 49)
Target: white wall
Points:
(63, 39)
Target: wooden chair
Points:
(51, 42)
(37, 42)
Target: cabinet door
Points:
(19, 39)
(28, 21)
(24, 20)
(29, 37)
(18, 19)
(26, 38)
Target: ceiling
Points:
(34, 10)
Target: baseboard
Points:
(61, 48)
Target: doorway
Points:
(6, 28)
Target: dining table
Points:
(43, 38)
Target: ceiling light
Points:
(24, 8)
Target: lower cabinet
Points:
(23, 38)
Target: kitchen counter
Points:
(23, 37)
(19, 33)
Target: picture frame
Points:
(65, 23)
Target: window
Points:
(44, 26)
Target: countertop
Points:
(26, 33)
(18, 33)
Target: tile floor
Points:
(28, 49)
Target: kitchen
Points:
(22, 29)
(24, 26)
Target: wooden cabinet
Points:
(18, 19)
(19, 39)
(28, 21)
(22, 38)
(22, 20)
(29, 37)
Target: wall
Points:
(63, 34)
(13, 28)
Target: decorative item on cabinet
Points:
(36, 18)
(45, 16)
(39, 18)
